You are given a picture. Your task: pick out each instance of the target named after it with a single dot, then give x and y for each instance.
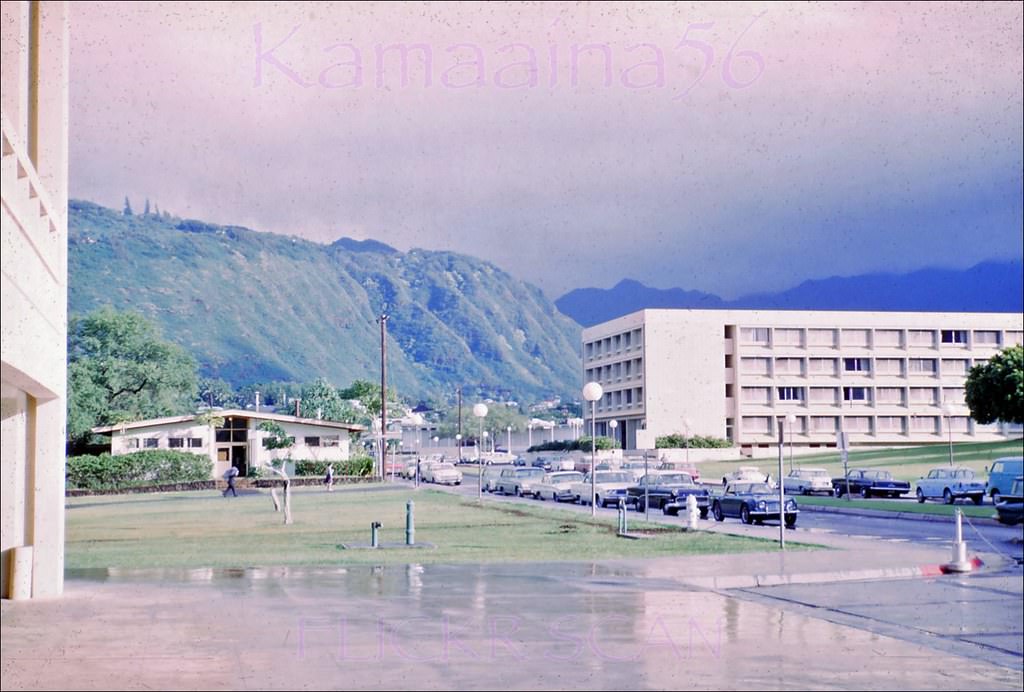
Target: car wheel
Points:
(996, 497)
(976, 499)
(839, 491)
(598, 501)
(745, 515)
(804, 491)
(947, 496)
(640, 506)
(517, 491)
(791, 522)
(920, 496)
(865, 493)
(554, 497)
(716, 509)
(704, 513)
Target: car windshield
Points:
(878, 475)
(612, 477)
(444, 467)
(760, 489)
(816, 473)
(965, 474)
(567, 477)
(672, 479)
(530, 473)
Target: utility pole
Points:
(458, 391)
(383, 391)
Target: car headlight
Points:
(761, 504)
(790, 504)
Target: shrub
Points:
(356, 466)
(582, 444)
(147, 467)
(679, 441)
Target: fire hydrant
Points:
(692, 513)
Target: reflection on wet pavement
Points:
(498, 626)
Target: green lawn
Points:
(969, 509)
(908, 464)
(203, 529)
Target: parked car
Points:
(663, 489)
(520, 461)
(563, 464)
(868, 482)
(681, 467)
(1001, 475)
(610, 487)
(441, 472)
(518, 481)
(808, 481)
(754, 502)
(950, 483)
(745, 474)
(557, 485)
(1010, 509)
(636, 469)
(489, 481)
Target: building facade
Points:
(884, 378)
(236, 440)
(33, 288)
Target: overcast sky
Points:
(571, 145)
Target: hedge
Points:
(677, 441)
(137, 468)
(356, 466)
(582, 444)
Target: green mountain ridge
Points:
(254, 306)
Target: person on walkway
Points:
(329, 478)
(230, 476)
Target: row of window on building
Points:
(623, 370)
(613, 344)
(621, 397)
(198, 442)
(832, 367)
(868, 424)
(832, 396)
(876, 338)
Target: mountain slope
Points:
(258, 306)
(986, 287)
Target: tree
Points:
(145, 212)
(127, 206)
(120, 369)
(995, 390)
(321, 400)
(216, 392)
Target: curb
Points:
(752, 581)
(889, 514)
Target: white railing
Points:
(28, 202)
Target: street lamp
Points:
(480, 411)
(613, 424)
(436, 440)
(592, 391)
(688, 425)
(508, 431)
(485, 434)
(947, 410)
(791, 419)
(458, 442)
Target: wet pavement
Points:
(610, 625)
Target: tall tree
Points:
(216, 392)
(320, 399)
(127, 206)
(120, 369)
(995, 390)
(145, 212)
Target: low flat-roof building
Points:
(237, 441)
(884, 378)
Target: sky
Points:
(727, 148)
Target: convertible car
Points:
(753, 502)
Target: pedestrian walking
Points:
(230, 476)
(329, 478)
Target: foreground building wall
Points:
(33, 286)
(884, 378)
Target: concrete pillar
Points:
(46, 514)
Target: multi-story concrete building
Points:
(884, 378)
(33, 286)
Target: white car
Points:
(442, 472)
(949, 483)
(557, 485)
(808, 482)
(610, 488)
(745, 474)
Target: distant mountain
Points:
(986, 287)
(258, 306)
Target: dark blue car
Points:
(753, 503)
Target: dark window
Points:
(175, 442)
(855, 393)
(195, 442)
(856, 364)
(312, 441)
(954, 336)
(152, 442)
